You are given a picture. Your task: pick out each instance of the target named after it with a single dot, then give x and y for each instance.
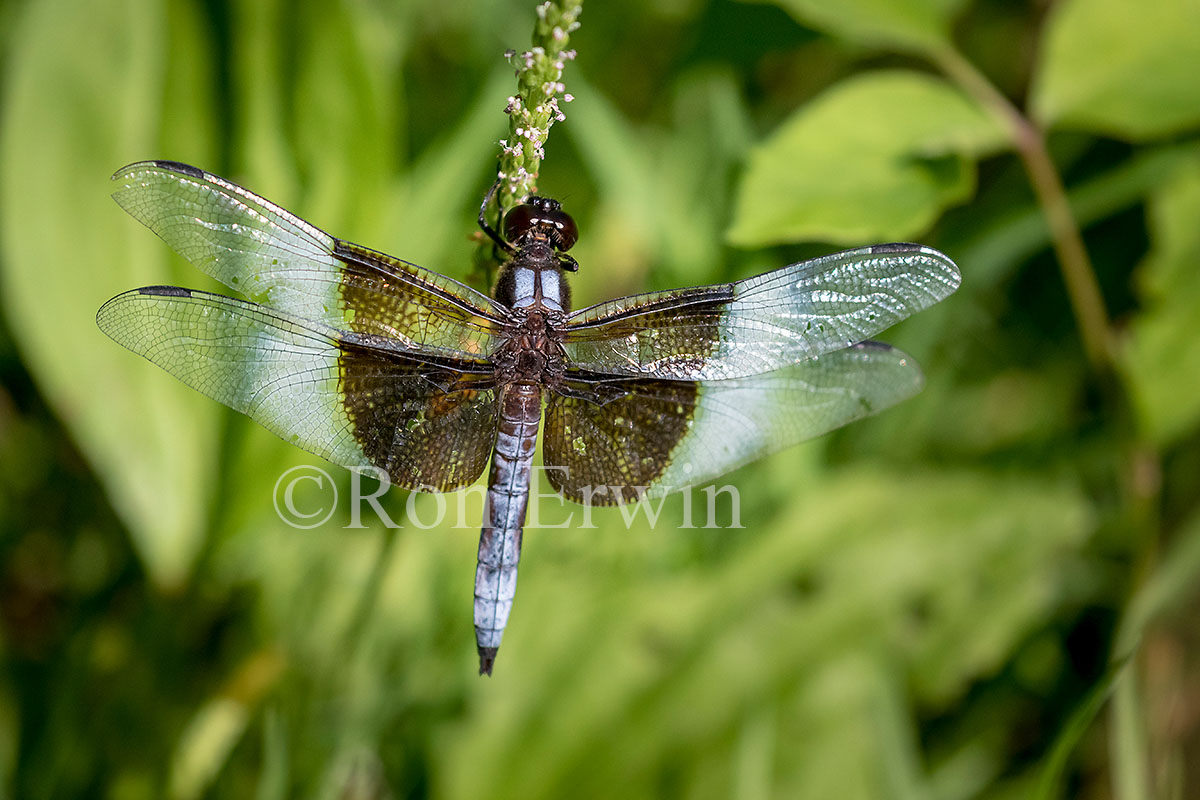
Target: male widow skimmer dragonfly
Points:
(370, 361)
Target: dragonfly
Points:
(370, 361)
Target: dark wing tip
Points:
(103, 314)
(165, 291)
(172, 166)
(179, 166)
(487, 660)
(897, 247)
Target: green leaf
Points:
(1120, 68)
(877, 157)
(205, 745)
(1163, 353)
(273, 777)
(914, 25)
(85, 95)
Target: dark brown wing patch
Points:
(428, 426)
(603, 451)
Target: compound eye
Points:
(546, 215)
(518, 221)
(568, 234)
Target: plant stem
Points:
(534, 108)
(1087, 303)
(532, 111)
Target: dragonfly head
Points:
(540, 218)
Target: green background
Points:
(986, 592)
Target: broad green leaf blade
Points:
(1120, 68)
(85, 95)
(913, 25)
(1163, 355)
(876, 158)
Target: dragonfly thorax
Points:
(534, 353)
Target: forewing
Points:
(275, 258)
(429, 425)
(762, 323)
(657, 436)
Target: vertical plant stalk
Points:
(535, 107)
(1087, 303)
(532, 111)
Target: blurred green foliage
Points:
(987, 592)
